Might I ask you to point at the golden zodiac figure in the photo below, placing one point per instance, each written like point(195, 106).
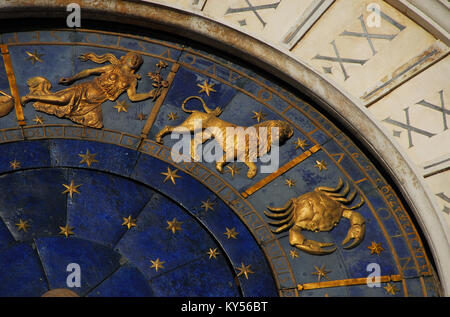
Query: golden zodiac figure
point(217, 129)
point(319, 210)
point(82, 102)
point(6, 104)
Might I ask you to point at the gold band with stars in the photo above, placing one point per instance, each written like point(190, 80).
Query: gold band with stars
point(347, 282)
point(252, 189)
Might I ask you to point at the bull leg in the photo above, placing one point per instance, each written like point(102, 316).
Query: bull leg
point(298, 240)
point(194, 154)
point(252, 169)
point(221, 163)
point(163, 132)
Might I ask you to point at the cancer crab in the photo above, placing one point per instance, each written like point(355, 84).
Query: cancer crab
point(319, 210)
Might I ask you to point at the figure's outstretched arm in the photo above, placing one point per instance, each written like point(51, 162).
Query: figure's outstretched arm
point(134, 96)
point(83, 74)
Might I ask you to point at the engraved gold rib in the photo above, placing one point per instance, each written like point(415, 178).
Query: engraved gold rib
point(152, 117)
point(347, 282)
point(251, 190)
point(12, 84)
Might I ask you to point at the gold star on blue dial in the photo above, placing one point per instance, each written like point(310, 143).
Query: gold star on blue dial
point(157, 264)
point(321, 165)
point(121, 106)
point(34, 57)
point(231, 233)
point(129, 222)
point(213, 253)
point(259, 116)
point(244, 270)
point(321, 273)
point(171, 174)
point(71, 189)
point(88, 158)
point(207, 205)
point(205, 87)
point(66, 231)
point(14, 164)
point(22, 225)
point(174, 225)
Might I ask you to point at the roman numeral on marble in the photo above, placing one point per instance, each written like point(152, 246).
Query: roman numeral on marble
point(370, 36)
point(408, 127)
point(338, 59)
point(365, 34)
point(447, 200)
point(441, 108)
point(253, 9)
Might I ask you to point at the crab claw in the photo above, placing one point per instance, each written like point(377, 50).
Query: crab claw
point(315, 247)
point(356, 232)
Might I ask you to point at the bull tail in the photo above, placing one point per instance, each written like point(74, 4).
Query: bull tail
point(216, 112)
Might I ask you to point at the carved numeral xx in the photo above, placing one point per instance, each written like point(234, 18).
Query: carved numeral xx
point(370, 36)
point(340, 60)
point(447, 200)
point(408, 127)
point(365, 34)
point(254, 9)
point(441, 109)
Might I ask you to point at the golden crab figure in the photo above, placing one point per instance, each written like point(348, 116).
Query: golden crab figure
point(319, 210)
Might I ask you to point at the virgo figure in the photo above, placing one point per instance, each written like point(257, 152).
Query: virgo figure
point(82, 102)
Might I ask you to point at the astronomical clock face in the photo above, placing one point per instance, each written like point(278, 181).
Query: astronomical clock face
point(94, 200)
